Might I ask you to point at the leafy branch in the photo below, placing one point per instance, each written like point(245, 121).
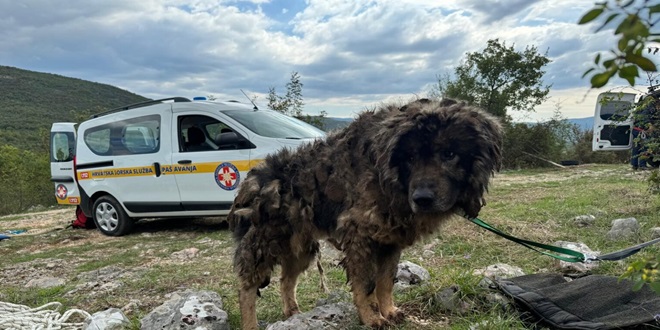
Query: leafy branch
point(635, 29)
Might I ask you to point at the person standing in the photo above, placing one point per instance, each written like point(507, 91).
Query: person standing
point(643, 128)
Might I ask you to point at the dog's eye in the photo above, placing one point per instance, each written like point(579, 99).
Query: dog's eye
point(447, 155)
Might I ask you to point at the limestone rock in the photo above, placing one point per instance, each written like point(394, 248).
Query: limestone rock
point(188, 310)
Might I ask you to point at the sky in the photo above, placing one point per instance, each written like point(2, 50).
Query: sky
point(351, 55)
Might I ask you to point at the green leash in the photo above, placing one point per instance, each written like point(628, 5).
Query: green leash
point(567, 255)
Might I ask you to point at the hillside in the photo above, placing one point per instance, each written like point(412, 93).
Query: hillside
point(30, 101)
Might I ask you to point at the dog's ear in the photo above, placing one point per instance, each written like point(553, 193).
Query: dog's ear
point(492, 137)
point(445, 102)
point(486, 160)
point(416, 103)
point(387, 156)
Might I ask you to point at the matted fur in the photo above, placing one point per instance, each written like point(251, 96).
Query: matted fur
point(392, 176)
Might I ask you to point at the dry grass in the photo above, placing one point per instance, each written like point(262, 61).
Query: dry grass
point(152, 262)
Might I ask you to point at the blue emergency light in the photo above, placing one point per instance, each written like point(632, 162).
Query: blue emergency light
point(199, 98)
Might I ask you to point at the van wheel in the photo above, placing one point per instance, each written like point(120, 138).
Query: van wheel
point(111, 218)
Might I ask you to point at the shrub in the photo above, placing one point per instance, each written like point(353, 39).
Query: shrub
point(25, 178)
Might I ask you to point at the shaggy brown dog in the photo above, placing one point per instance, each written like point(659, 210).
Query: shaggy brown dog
point(372, 189)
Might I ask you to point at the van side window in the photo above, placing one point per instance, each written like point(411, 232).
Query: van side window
point(98, 140)
point(140, 138)
point(203, 133)
point(139, 135)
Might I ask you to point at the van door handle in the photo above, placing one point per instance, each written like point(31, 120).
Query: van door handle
point(61, 179)
point(157, 169)
point(185, 161)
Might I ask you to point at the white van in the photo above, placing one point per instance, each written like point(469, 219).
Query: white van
point(613, 122)
point(165, 158)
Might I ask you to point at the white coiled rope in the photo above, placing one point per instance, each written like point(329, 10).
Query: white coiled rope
point(46, 317)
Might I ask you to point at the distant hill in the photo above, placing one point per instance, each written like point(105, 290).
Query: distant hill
point(30, 101)
point(586, 123)
point(333, 123)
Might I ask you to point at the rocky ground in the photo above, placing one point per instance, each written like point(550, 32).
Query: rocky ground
point(203, 244)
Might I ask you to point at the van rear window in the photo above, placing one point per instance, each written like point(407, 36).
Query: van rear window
point(62, 147)
point(615, 110)
point(139, 135)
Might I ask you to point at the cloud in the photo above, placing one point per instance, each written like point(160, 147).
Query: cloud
point(496, 10)
point(349, 53)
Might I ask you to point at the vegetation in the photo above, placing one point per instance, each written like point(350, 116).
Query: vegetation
point(25, 174)
point(637, 28)
point(497, 79)
point(292, 102)
point(500, 78)
point(31, 101)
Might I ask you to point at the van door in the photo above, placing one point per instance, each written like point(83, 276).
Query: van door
point(208, 172)
point(62, 155)
point(124, 154)
point(613, 121)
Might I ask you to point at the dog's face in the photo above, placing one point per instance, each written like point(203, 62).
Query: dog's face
point(445, 156)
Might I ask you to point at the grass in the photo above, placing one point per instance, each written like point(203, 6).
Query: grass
point(533, 204)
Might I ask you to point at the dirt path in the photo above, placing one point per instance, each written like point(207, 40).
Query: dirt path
point(39, 221)
point(567, 173)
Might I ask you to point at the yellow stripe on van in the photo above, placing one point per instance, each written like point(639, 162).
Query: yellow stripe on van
point(117, 172)
point(69, 201)
point(241, 165)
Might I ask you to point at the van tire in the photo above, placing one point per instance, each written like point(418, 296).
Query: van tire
point(110, 217)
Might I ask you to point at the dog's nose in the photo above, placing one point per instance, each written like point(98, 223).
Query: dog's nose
point(423, 197)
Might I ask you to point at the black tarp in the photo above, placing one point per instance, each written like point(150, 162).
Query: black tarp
point(589, 302)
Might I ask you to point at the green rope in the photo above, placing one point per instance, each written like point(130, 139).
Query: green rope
point(568, 255)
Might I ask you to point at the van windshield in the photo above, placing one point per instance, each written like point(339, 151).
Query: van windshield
point(273, 124)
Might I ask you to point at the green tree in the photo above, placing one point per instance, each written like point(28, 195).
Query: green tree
point(497, 79)
point(291, 104)
point(636, 26)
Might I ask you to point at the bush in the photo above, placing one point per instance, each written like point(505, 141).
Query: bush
point(25, 178)
point(526, 145)
point(533, 145)
point(582, 151)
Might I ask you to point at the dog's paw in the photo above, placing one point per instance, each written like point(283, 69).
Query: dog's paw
point(395, 315)
point(292, 311)
point(379, 323)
